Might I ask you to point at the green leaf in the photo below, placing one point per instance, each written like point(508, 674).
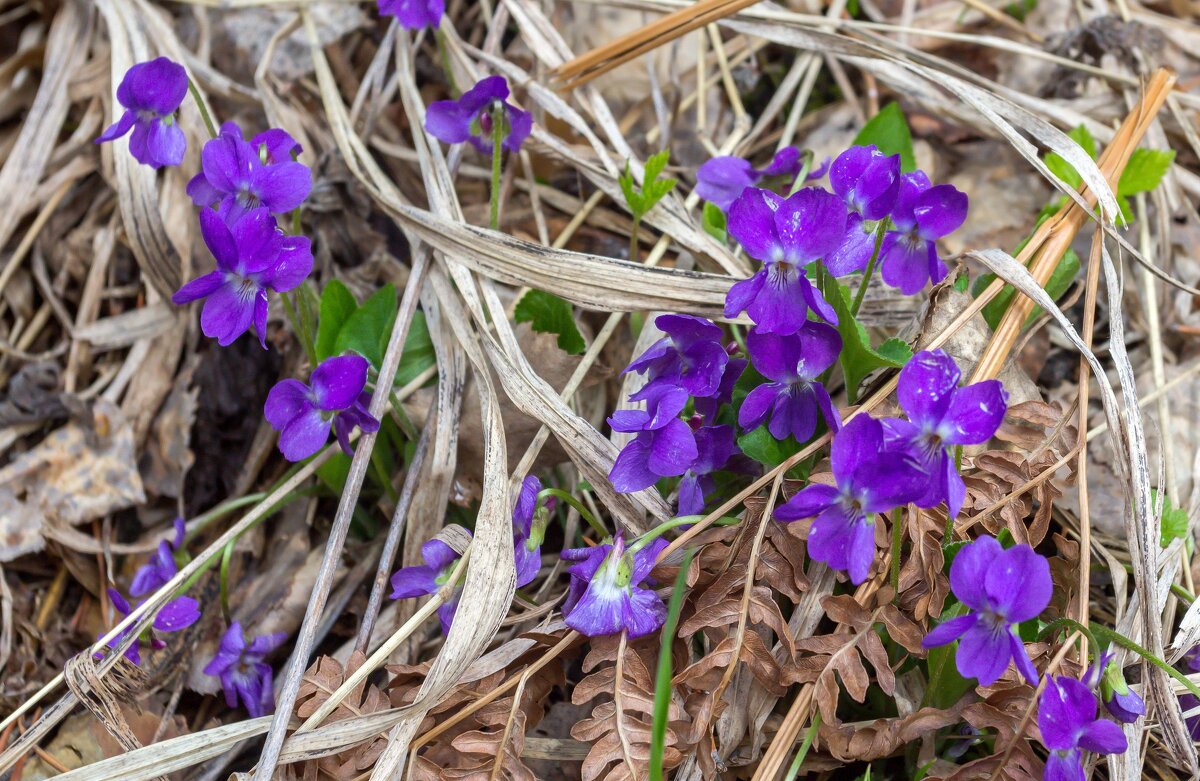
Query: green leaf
point(1174, 520)
point(337, 304)
point(888, 131)
point(656, 164)
point(766, 449)
point(946, 684)
point(653, 188)
point(1062, 277)
point(627, 188)
point(367, 329)
point(713, 221)
point(418, 352)
point(858, 358)
point(549, 314)
point(1145, 171)
point(1064, 170)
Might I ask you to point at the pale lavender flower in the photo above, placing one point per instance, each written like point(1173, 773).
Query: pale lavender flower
point(608, 591)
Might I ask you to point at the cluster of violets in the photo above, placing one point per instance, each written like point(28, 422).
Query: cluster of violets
point(239, 665)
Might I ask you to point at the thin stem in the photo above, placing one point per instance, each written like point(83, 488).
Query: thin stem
point(635, 251)
point(226, 555)
point(202, 520)
point(208, 122)
point(683, 520)
point(662, 682)
point(300, 328)
point(802, 177)
point(896, 541)
point(861, 293)
point(809, 736)
point(498, 121)
point(586, 514)
point(444, 57)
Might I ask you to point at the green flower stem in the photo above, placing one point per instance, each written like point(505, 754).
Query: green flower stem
point(204, 519)
point(662, 681)
point(896, 542)
point(635, 252)
point(584, 512)
point(861, 293)
point(226, 556)
point(300, 327)
point(444, 57)
point(498, 122)
point(208, 121)
point(809, 737)
point(805, 167)
point(666, 526)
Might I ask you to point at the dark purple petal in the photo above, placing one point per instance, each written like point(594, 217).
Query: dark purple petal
point(795, 413)
point(691, 495)
point(742, 294)
point(645, 612)
point(629, 421)
point(752, 222)
point(843, 542)
point(158, 85)
point(438, 554)
point(261, 310)
point(955, 490)
point(277, 145)
point(287, 399)
point(1065, 707)
point(447, 612)
point(485, 92)
point(337, 382)
point(860, 441)
point(414, 14)
point(219, 240)
point(520, 125)
point(722, 179)
point(1127, 707)
point(786, 162)
point(911, 187)
point(600, 610)
point(888, 480)
point(809, 502)
point(447, 122)
point(227, 314)
point(663, 404)
point(258, 241)
point(867, 180)
point(687, 330)
point(118, 128)
point(714, 446)
point(816, 302)
point(949, 631)
point(810, 224)
point(179, 613)
point(854, 251)
point(631, 471)
point(645, 559)
point(758, 404)
point(304, 435)
point(527, 561)
point(969, 571)
point(1021, 659)
point(283, 186)
point(201, 192)
point(904, 262)
point(975, 412)
point(292, 266)
point(408, 582)
point(939, 211)
point(163, 144)
point(526, 503)
point(983, 653)
point(781, 305)
point(1018, 583)
point(228, 161)
point(1066, 766)
point(926, 386)
point(198, 288)
point(672, 449)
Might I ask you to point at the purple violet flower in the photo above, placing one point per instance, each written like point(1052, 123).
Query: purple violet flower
point(427, 578)
point(721, 180)
point(942, 415)
point(869, 479)
point(664, 447)
point(239, 177)
point(151, 93)
point(690, 356)
point(161, 567)
point(867, 181)
point(470, 117)
point(253, 257)
point(1122, 703)
point(795, 399)
point(1002, 588)
point(333, 399)
point(243, 673)
point(708, 406)
point(528, 534)
point(715, 445)
point(607, 592)
point(179, 613)
point(414, 14)
point(1067, 720)
point(786, 235)
point(923, 214)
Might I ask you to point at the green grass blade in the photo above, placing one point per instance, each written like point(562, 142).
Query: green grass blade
point(662, 683)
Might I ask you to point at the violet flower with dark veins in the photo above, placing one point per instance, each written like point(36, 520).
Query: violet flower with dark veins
point(304, 414)
point(178, 614)
point(794, 401)
point(161, 567)
point(869, 479)
point(923, 214)
point(151, 93)
point(690, 356)
point(786, 235)
point(238, 177)
point(470, 117)
point(942, 415)
point(428, 578)
point(414, 14)
point(1002, 588)
point(867, 181)
point(664, 447)
point(243, 673)
point(715, 445)
point(1068, 723)
point(529, 529)
point(607, 593)
point(720, 180)
point(253, 258)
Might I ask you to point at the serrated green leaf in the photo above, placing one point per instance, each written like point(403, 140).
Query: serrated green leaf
point(337, 304)
point(642, 200)
point(766, 449)
point(367, 329)
point(656, 164)
point(418, 353)
point(548, 314)
point(895, 350)
point(1174, 520)
point(657, 190)
point(632, 198)
point(1145, 170)
point(888, 131)
point(712, 219)
point(858, 358)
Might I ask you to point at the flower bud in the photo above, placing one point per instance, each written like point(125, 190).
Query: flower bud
point(1121, 701)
